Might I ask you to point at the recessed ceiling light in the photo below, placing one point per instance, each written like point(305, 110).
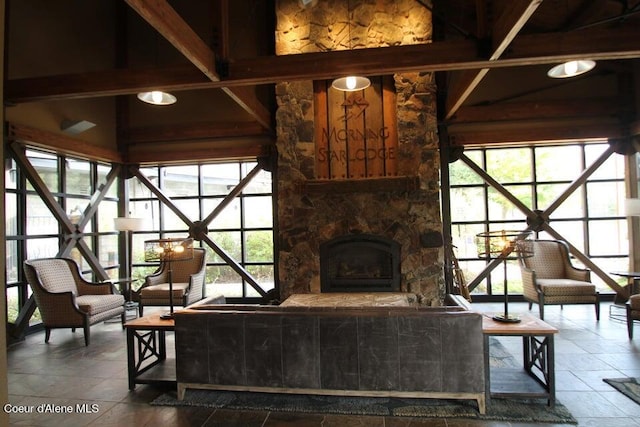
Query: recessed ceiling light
point(75, 127)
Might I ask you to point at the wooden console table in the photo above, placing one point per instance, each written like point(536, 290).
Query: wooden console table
point(538, 378)
point(147, 351)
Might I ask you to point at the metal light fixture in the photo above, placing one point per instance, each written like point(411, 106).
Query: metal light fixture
point(351, 83)
point(157, 97)
point(571, 69)
point(168, 251)
point(504, 245)
point(128, 225)
point(632, 207)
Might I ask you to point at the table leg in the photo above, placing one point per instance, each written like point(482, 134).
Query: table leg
point(162, 353)
point(552, 371)
point(131, 362)
point(539, 363)
point(487, 372)
point(145, 350)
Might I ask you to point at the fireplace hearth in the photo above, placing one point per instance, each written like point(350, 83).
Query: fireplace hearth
point(360, 263)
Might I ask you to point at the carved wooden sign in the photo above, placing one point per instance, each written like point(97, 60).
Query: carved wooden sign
point(356, 133)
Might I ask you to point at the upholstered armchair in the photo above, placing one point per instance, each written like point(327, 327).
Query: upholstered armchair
point(548, 277)
point(188, 283)
point(633, 312)
point(66, 300)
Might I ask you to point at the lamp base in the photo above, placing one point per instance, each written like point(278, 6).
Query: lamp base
point(507, 318)
point(166, 316)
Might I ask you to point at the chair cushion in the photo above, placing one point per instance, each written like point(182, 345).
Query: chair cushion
point(548, 260)
point(161, 291)
point(55, 276)
point(561, 287)
point(95, 304)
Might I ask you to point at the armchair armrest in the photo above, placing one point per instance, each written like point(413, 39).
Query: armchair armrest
point(59, 308)
point(91, 288)
point(581, 274)
point(196, 284)
point(155, 278)
point(529, 287)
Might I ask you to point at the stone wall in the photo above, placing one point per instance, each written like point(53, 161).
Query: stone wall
point(409, 216)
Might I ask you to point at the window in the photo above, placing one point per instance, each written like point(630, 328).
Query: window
point(32, 231)
point(241, 226)
point(590, 218)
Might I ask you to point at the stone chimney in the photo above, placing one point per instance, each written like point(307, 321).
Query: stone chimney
point(403, 205)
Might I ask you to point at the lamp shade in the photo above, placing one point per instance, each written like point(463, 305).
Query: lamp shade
point(504, 243)
point(632, 207)
point(351, 83)
point(571, 69)
point(177, 249)
point(157, 97)
point(128, 224)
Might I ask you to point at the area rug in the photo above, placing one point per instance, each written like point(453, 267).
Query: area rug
point(630, 387)
point(514, 410)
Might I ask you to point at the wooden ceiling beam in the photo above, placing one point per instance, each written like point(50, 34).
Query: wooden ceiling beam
point(226, 151)
point(221, 29)
point(600, 44)
point(61, 144)
point(161, 16)
point(536, 131)
point(548, 109)
point(504, 32)
point(192, 131)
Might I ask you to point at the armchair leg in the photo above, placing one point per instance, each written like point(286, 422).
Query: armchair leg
point(123, 318)
point(86, 335)
point(140, 308)
point(530, 305)
point(629, 323)
point(47, 334)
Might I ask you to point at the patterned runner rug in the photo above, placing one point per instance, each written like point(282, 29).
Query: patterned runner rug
point(512, 410)
point(630, 387)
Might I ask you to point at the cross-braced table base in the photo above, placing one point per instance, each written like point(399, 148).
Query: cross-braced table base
point(147, 351)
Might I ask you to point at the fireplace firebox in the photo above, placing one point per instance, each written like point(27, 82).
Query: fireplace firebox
point(360, 263)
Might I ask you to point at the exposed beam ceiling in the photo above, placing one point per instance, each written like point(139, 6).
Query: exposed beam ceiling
point(604, 44)
point(161, 16)
point(504, 32)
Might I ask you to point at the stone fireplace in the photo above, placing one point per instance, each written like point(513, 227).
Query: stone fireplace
point(403, 205)
point(360, 263)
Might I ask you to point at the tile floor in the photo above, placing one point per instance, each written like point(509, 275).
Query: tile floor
point(65, 372)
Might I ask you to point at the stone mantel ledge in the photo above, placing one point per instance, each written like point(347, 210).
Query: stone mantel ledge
point(366, 185)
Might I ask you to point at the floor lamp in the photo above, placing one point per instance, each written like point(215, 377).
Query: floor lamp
point(128, 225)
point(504, 245)
point(167, 251)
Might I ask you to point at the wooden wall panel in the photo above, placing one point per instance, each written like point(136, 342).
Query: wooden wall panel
point(391, 125)
point(374, 120)
point(336, 130)
point(356, 132)
point(354, 104)
point(321, 120)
